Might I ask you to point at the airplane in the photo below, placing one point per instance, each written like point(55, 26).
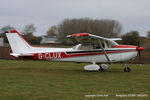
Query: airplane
point(93, 49)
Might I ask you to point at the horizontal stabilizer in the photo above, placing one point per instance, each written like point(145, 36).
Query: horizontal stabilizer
point(22, 55)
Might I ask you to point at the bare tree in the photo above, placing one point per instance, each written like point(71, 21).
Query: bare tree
point(104, 27)
point(29, 29)
point(131, 38)
point(52, 31)
point(148, 34)
point(5, 29)
point(28, 34)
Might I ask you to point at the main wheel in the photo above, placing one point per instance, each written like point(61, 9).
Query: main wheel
point(127, 69)
point(103, 67)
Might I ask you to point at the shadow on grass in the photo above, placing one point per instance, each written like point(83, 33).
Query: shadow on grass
point(65, 70)
point(107, 71)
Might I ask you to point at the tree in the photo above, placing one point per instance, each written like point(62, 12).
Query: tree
point(104, 27)
point(28, 34)
point(5, 29)
point(131, 38)
point(148, 34)
point(52, 31)
point(29, 29)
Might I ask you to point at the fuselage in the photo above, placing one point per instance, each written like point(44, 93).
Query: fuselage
point(119, 53)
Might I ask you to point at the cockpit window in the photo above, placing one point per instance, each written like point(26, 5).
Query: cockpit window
point(112, 43)
point(77, 46)
point(88, 46)
point(97, 46)
point(105, 44)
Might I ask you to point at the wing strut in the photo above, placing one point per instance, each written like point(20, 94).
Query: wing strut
point(106, 55)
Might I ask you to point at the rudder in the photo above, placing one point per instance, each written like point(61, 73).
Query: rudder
point(17, 43)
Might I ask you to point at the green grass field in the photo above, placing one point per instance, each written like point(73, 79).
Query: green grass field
point(43, 80)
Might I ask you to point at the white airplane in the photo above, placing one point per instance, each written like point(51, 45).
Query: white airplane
point(92, 49)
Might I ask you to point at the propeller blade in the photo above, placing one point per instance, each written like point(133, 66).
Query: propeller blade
point(139, 53)
point(139, 57)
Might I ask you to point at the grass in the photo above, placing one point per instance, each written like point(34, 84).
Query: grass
point(43, 80)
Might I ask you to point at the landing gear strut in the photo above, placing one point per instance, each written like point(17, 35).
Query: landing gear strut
point(126, 68)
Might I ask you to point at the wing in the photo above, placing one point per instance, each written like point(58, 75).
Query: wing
point(90, 38)
point(85, 38)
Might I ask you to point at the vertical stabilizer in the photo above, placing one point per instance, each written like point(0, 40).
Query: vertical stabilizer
point(17, 43)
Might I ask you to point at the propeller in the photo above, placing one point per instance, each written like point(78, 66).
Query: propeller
point(139, 49)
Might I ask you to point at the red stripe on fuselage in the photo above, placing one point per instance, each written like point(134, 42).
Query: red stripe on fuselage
point(124, 46)
point(59, 55)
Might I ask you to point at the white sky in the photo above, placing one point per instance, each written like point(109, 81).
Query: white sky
point(132, 14)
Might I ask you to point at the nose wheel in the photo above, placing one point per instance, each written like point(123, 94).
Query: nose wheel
point(126, 68)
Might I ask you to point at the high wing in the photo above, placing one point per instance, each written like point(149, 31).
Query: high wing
point(89, 38)
point(86, 38)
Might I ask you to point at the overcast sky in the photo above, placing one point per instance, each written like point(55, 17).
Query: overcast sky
point(132, 14)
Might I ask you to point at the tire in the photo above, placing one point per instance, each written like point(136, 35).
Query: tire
point(127, 69)
point(101, 69)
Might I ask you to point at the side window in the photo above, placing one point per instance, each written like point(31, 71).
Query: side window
point(108, 44)
point(77, 47)
point(103, 45)
point(112, 43)
point(86, 47)
point(97, 46)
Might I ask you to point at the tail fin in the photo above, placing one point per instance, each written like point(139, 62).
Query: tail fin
point(17, 43)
